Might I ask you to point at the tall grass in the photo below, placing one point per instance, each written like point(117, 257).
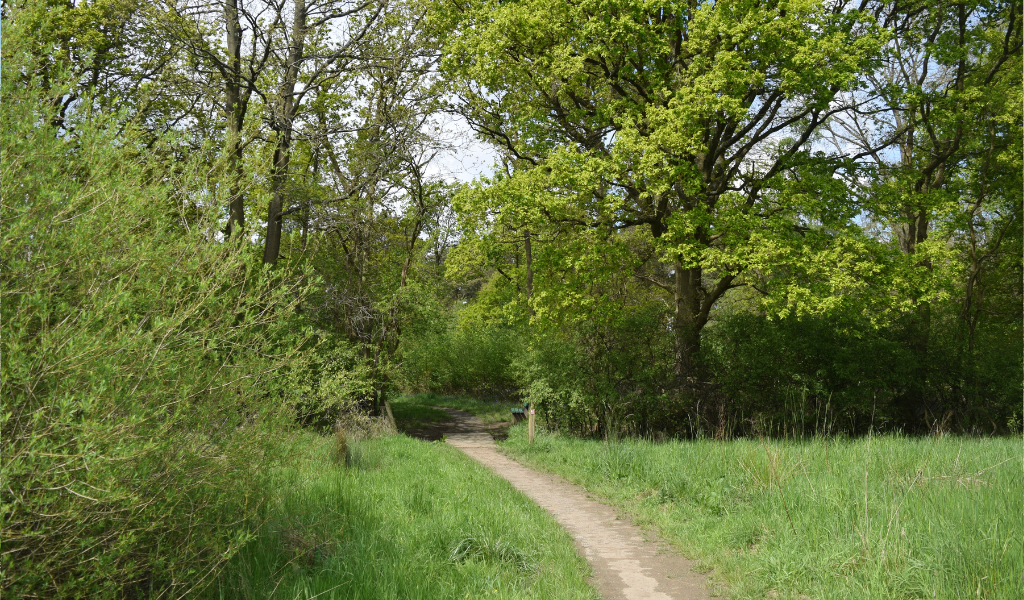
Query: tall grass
point(406, 519)
point(875, 517)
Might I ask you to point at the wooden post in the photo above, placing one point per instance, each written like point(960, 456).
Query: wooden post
point(531, 424)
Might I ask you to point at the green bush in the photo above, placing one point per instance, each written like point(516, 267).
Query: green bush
point(475, 360)
point(334, 379)
point(604, 375)
point(841, 373)
point(138, 359)
point(460, 351)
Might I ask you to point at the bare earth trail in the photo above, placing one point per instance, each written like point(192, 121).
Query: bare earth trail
point(628, 563)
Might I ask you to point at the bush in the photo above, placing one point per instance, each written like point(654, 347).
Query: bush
point(460, 351)
point(840, 373)
point(137, 361)
point(803, 375)
point(605, 375)
point(334, 380)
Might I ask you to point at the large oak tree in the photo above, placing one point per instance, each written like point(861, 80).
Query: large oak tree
point(693, 122)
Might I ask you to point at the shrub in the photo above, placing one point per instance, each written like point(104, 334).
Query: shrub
point(137, 361)
point(460, 351)
point(841, 373)
point(605, 375)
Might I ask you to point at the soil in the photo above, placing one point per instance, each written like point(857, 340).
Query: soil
point(628, 563)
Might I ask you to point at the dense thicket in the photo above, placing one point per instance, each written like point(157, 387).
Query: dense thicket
point(151, 353)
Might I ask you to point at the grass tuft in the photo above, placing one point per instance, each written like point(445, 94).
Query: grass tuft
point(342, 453)
point(499, 550)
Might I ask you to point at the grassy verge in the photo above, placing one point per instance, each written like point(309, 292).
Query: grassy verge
point(881, 517)
point(406, 519)
point(489, 411)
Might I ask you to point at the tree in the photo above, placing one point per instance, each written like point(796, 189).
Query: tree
point(314, 58)
point(288, 55)
point(239, 62)
point(692, 121)
point(932, 119)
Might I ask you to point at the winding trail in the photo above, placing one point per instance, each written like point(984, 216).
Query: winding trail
point(628, 563)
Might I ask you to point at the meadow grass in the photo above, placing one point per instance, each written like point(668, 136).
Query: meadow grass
point(875, 517)
point(407, 519)
point(489, 411)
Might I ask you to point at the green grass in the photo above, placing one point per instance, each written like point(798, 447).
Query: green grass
point(880, 517)
point(407, 519)
point(417, 415)
point(489, 411)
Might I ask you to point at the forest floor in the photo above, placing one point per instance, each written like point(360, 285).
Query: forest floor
point(628, 563)
point(435, 422)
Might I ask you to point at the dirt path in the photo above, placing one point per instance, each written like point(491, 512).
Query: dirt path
point(628, 563)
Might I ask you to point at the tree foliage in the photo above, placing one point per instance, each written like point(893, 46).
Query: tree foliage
point(817, 154)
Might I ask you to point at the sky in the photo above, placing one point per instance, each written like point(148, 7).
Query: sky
point(466, 158)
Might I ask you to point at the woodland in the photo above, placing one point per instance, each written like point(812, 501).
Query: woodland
point(225, 220)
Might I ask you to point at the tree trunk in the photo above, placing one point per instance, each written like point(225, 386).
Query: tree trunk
point(284, 121)
point(306, 205)
point(686, 324)
point(412, 247)
point(235, 114)
point(911, 406)
point(529, 271)
point(272, 246)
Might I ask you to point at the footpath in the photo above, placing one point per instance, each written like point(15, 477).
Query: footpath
point(628, 563)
